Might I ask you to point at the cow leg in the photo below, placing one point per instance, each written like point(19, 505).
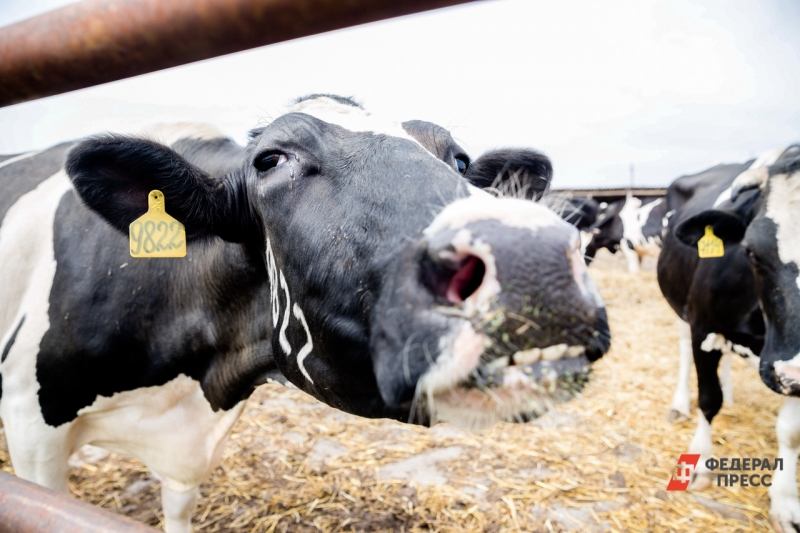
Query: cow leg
point(680, 400)
point(39, 453)
point(178, 507)
point(784, 509)
point(725, 379)
point(710, 400)
point(631, 257)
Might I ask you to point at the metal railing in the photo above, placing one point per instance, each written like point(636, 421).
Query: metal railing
point(97, 41)
point(28, 508)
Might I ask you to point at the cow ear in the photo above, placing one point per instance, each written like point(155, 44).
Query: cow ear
point(114, 175)
point(729, 221)
point(519, 173)
point(728, 226)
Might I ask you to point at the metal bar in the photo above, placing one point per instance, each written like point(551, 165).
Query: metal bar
point(29, 508)
point(97, 41)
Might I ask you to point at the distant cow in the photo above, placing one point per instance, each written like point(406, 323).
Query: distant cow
point(350, 254)
point(721, 299)
point(633, 225)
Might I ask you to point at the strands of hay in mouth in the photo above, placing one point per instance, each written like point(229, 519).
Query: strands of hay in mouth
point(598, 463)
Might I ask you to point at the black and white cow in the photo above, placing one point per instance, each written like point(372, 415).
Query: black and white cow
point(718, 298)
point(350, 254)
point(633, 225)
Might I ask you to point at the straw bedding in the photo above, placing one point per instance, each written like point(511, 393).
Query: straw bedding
point(599, 463)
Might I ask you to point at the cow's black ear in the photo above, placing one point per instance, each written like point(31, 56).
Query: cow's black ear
point(519, 172)
point(114, 174)
point(727, 225)
point(729, 220)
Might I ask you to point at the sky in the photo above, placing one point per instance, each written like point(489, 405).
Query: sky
point(669, 86)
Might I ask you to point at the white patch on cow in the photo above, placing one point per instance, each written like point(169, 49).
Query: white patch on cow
point(680, 399)
point(350, 117)
point(460, 353)
point(717, 341)
point(586, 238)
point(631, 257)
point(284, 342)
point(274, 293)
point(665, 220)
point(170, 133)
point(767, 158)
point(37, 450)
point(171, 428)
point(784, 504)
point(783, 204)
point(20, 157)
point(725, 380)
point(307, 347)
point(178, 508)
point(355, 119)
point(483, 206)
point(724, 196)
point(701, 443)
point(277, 281)
point(634, 217)
point(749, 179)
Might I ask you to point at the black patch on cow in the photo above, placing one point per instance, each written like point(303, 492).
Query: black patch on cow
point(147, 323)
point(25, 175)
point(11, 341)
point(520, 173)
point(216, 157)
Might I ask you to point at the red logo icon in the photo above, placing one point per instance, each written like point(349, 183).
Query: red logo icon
point(687, 462)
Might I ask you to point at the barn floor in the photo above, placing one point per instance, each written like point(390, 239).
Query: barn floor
point(599, 463)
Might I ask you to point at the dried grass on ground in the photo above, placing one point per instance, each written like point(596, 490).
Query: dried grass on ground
point(599, 463)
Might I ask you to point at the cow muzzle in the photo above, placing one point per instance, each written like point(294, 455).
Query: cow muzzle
point(499, 317)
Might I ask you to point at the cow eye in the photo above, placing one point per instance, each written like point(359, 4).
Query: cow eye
point(751, 256)
point(462, 163)
point(269, 160)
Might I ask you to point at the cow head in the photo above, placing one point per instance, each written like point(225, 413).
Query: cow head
point(763, 215)
point(397, 286)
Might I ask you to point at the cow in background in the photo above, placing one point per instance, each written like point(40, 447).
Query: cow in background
point(743, 303)
point(633, 225)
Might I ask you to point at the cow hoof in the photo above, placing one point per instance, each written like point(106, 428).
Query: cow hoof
point(701, 481)
point(677, 416)
point(784, 514)
point(784, 525)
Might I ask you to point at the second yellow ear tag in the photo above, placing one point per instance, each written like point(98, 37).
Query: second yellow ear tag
point(710, 245)
point(156, 234)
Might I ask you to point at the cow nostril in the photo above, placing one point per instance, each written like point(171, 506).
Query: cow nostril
point(466, 279)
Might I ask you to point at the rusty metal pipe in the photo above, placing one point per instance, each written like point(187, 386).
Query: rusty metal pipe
point(29, 508)
point(97, 41)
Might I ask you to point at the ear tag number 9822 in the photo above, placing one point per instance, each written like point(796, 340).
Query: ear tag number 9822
point(710, 245)
point(156, 234)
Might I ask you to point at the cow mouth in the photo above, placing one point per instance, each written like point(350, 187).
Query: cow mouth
point(513, 388)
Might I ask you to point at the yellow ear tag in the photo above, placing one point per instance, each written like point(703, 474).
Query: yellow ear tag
point(710, 245)
point(156, 234)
